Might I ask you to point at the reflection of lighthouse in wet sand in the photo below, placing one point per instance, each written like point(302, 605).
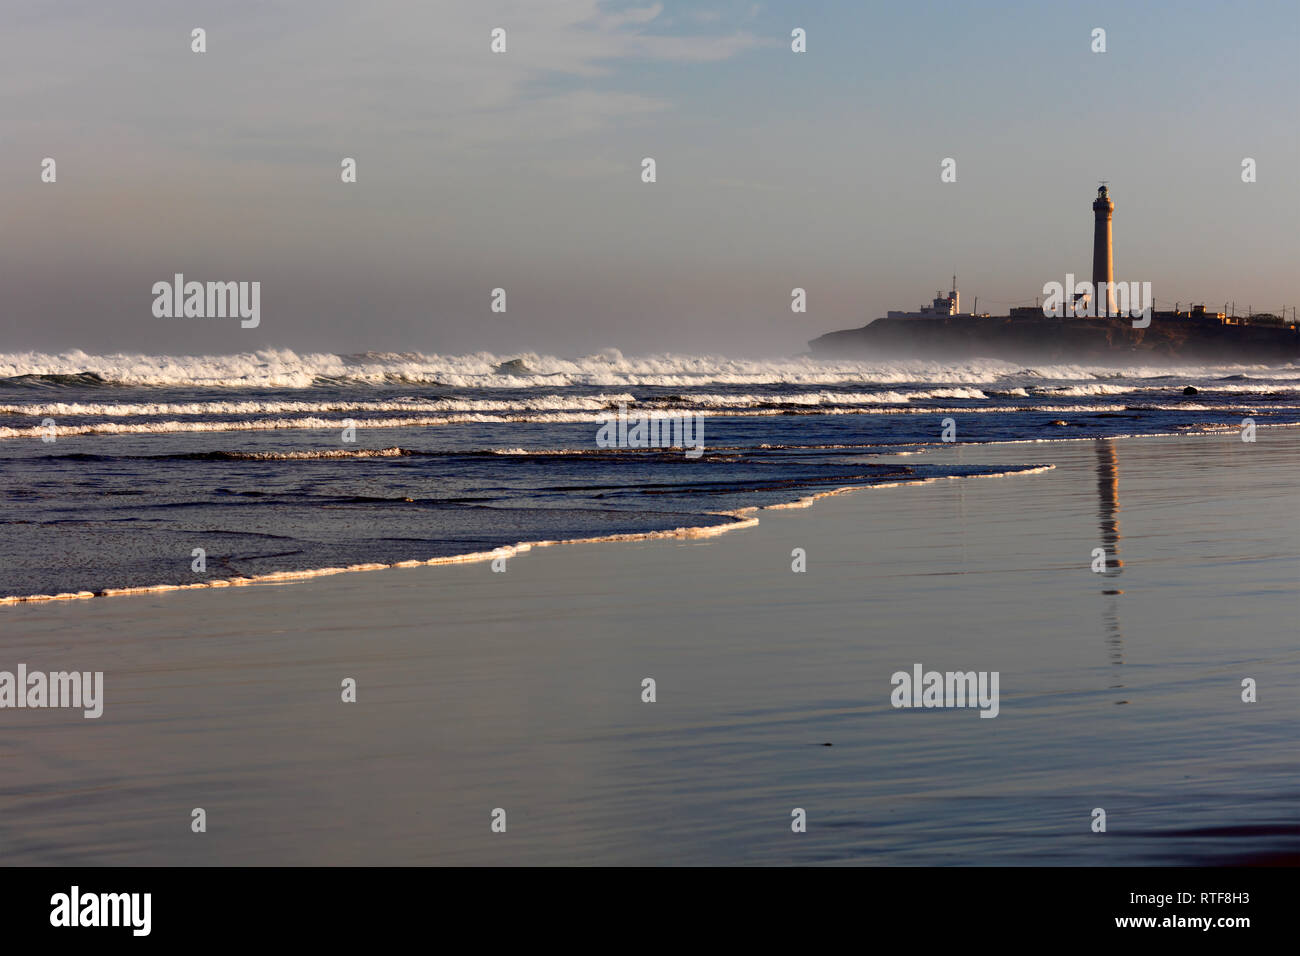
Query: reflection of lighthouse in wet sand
point(1108, 502)
point(1108, 516)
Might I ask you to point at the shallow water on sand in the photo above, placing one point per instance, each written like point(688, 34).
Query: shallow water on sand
point(522, 690)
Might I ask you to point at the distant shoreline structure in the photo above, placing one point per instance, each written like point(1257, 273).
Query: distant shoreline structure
point(1077, 322)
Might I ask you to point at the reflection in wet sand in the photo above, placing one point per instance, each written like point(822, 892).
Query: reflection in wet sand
point(1108, 515)
point(1108, 502)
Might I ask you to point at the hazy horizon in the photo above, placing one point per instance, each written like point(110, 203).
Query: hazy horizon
point(522, 170)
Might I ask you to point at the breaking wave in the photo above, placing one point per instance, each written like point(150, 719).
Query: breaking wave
point(309, 423)
point(284, 368)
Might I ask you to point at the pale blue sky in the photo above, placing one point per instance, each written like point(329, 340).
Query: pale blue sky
point(522, 170)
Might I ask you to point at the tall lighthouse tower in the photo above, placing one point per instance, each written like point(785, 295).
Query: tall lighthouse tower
point(1103, 262)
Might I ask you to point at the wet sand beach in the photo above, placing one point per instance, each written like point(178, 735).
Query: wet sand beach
point(522, 690)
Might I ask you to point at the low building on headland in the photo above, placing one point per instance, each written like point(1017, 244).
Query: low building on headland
point(949, 304)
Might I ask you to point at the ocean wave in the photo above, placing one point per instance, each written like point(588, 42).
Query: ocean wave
point(281, 407)
point(325, 454)
point(1099, 388)
point(606, 402)
point(526, 403)
point(284, 368)
point(310, 423)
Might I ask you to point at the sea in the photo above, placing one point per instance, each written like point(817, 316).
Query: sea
point(133, 471)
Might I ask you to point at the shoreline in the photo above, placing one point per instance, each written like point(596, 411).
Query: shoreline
point(742, 518)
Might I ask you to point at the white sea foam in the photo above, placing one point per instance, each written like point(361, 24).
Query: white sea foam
point(283, 368)
point(517, 409)
point(37, 431)
point(278, 407)
point(281, 577)
point(551, 402)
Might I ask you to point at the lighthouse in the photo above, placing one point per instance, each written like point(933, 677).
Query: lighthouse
point(1103, 262)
